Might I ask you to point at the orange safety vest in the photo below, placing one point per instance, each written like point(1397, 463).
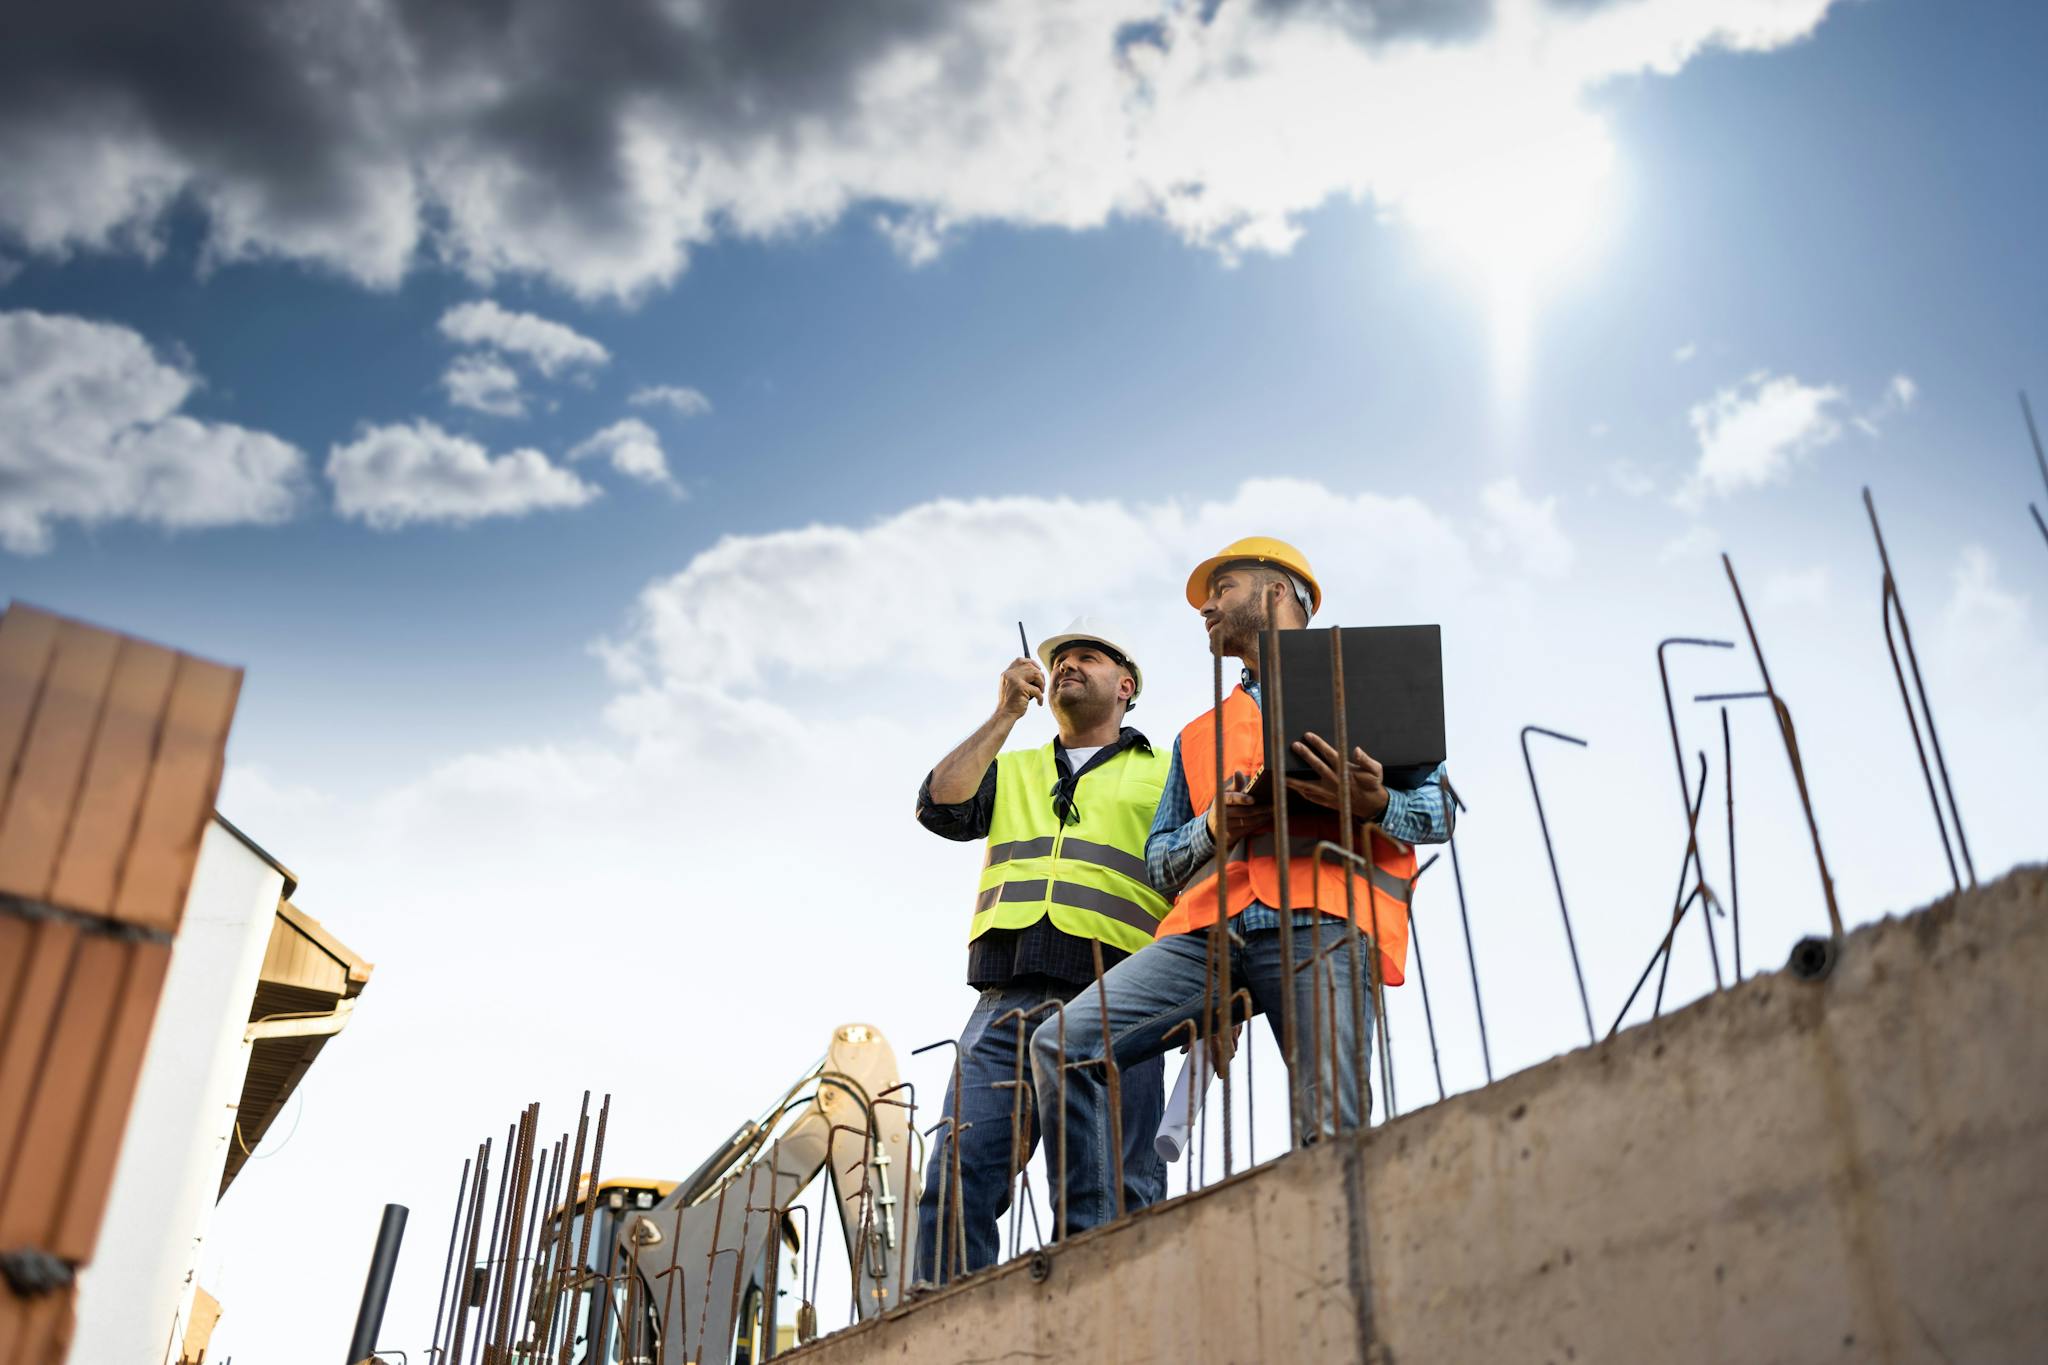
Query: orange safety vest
point(1252, 871)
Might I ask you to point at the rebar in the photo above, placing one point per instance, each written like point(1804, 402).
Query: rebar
point(1451, 813)
point(448, 1261)
point(522, 1166)
point(1218, 943)
point(560, 1271)
point(1114, 1083)
point(1790, 735)
point(1578, 973)
point(910, 1126)
point(1684, 802)
point(1680, 903)
point(958, 1225)
point(1694, 806)
point(2034, 433)
point(1734, 893)
point(604, 1112)
point(1422, 977)
point(1892, 606)
point(459, 1332)
point(1341, 724)
point(543, 1189)
point(1274, 707)
point(1196, 1086)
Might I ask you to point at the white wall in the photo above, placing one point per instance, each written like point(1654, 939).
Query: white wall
point(134, 1297)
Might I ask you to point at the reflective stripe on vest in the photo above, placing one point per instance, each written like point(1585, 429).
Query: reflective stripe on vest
point(1251, 871)
point(1089, 876)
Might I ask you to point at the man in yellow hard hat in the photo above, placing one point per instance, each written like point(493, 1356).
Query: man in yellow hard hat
point(1065, 877)
point(1208, 826)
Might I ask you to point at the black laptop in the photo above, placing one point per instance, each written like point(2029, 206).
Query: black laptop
point(1393, 697)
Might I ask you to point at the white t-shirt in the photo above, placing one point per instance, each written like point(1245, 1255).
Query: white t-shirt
point(1077, 759)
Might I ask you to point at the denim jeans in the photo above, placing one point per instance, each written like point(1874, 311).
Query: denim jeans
point(988, 1055)
point(1160, 988)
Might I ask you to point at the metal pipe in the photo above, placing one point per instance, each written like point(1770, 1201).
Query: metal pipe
point(362, 1343)
point(1585, 1001)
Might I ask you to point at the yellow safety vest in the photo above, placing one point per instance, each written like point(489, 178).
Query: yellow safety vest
point(1089, 875)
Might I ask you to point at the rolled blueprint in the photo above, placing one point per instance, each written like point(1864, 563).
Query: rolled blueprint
point(1174, 1125)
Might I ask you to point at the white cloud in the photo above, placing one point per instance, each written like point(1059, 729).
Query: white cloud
point(678, 398)
point(91, 431)
point(599, 156)
point(393, 476)
point(633, 449)
point(1525, 529)
point(1753, 434)
point(549, 346)
point(1799, 588)
point(1685, 353)
point(1899, 395)
point(917, 238)
point(484, 383)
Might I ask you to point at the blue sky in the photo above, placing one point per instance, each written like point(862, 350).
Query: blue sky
point(1816, 260)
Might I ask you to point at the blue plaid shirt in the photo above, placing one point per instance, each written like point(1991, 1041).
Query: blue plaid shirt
point(1180, 846)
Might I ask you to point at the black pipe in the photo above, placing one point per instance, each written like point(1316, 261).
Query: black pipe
point(377, 1288)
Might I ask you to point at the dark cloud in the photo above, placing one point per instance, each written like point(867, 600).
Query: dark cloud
point(1394, 20)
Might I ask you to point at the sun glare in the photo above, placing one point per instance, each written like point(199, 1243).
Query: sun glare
point(1515, 217)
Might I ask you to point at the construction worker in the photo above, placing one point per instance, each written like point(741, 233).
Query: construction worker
point(1202, 821)
point(1065, 876)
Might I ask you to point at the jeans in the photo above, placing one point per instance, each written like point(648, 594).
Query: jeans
point(988, 1055)
point(1160, 988)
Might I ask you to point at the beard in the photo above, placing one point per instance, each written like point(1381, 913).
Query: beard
point(1087, 704)
point(1238, 627)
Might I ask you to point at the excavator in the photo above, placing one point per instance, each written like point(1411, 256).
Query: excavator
point(698, 1270)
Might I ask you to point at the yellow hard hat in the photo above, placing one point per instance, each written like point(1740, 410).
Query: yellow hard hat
point(1255, 550)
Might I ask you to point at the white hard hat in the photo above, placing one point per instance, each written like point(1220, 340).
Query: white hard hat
point(1098, 631)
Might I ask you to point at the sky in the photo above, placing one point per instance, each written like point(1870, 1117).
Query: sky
point(620, 449)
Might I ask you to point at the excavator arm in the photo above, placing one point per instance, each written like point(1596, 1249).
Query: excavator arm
point(693, 1275)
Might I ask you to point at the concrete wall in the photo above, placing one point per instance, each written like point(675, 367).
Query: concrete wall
point(1854, 1169)
point(134, 1297)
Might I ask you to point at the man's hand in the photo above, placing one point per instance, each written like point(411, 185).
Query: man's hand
point(1368, 784)
point(1245, 816)
point(1022, 684)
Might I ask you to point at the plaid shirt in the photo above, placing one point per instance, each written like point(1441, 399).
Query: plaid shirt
point(1180, 845)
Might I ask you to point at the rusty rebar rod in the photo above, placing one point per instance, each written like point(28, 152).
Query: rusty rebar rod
point(1347, 841)
point(910, 1131)
point(1451, 813)
point(460, 1331)
point(1196, 1086)
point(1114, 1083)
point(1578, 973)
point(560, 1273)
point(490, 1248)
point(1422, 977)
point(1273, 705)
point(1894, 607)
point(522, 1168)
point(604, 1112)
point(1734, 893)
point(1680, 901)
point(1214, 1006)
point(958, 1225)
point(1694, 806)
point(1685, 803)
point(1790, 735)
point(543, 1188)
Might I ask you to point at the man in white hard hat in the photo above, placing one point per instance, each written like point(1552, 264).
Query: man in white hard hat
point(1208, 830)
point(1065, 879)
